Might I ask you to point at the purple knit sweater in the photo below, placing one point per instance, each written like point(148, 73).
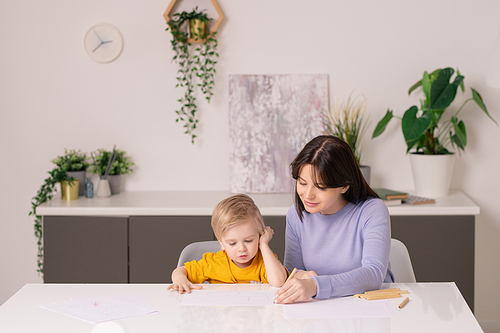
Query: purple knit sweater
point(349, 250)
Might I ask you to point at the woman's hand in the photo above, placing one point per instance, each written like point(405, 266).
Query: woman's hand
point(305, 274)
point(266, 236)
point(296, 290)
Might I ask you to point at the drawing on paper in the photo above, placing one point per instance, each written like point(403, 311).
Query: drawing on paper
point(271, 118)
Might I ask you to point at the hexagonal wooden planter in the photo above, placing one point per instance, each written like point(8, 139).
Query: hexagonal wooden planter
point(212, 30)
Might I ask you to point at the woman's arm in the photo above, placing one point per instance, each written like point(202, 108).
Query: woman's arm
point(276, 273)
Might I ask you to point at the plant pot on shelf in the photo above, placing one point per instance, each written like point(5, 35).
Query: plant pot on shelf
point(365, 170)
point(80, 175)
point(69, 189)
point(114, 183)
point(432, 174)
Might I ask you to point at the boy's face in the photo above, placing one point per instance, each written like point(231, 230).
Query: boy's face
point(241, 243)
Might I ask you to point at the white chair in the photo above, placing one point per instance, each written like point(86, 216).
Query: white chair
point(400, 262)
point(194, 251)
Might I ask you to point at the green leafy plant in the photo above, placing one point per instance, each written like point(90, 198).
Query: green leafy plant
point(199, 63)
point(122, 164)
point(421, 127)
point(346, 121)
point(72, 160)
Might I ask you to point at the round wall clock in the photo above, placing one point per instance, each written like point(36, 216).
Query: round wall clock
point(103, 42)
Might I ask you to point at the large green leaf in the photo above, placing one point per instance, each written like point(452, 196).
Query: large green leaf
point(479, 100)
point(426, 85)
point(382, 124)
point(443, 99)
point(440, 83)
point(413, 128)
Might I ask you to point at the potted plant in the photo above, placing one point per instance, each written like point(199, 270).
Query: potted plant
point(71, 161)
point(346, 121)
point(122, 165)
point(75, 163)
point(198, 62)
point(425, 129)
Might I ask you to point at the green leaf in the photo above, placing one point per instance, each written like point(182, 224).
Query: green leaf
point(460, 133)
point(426, 85)
point(382, 124)
point(462, 86)
point(479, 101)
point(413, 128)
point(419, 83)
point(443, 93)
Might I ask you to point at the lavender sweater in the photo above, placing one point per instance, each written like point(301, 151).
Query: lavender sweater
point(349, 250)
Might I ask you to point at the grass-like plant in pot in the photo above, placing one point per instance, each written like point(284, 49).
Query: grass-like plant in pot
point(423, 127)
point(346, 121)
point(194, 62)
point(72, 160)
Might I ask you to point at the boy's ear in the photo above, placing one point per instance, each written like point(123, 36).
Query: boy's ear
point(221, 246)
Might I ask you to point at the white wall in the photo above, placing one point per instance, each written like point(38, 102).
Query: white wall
point(52, 96)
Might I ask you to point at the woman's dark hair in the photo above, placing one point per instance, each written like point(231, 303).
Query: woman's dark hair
point(333, 165)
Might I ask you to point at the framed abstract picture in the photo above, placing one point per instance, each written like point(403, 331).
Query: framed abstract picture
point(271, 118)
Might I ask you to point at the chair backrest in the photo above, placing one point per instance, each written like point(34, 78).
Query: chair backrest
point(400, 262)
point(194, 251)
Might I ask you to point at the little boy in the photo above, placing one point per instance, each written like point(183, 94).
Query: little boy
point(245, 254)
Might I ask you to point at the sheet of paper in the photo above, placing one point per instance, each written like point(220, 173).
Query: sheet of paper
point(101, 309)
point(229, 298)
point(346, 307)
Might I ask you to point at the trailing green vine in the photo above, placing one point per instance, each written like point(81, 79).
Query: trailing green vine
point(71, 161)
point(200, 64)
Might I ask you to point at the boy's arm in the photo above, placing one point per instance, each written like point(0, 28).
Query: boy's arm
point(276, 272)
point(180, 281)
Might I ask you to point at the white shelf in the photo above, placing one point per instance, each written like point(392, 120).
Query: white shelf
point(202, 203)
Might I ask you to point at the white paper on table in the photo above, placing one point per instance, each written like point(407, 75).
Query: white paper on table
point(101, 309)
point(229, 298)
point(346, 307)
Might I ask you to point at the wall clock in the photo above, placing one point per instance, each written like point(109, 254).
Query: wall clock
point(103, 42)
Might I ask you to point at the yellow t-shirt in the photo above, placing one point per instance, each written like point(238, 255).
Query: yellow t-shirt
point(219, 268)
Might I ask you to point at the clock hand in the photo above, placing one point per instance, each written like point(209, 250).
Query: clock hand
point(97, 46)
point(107, 41)
point(97, 35)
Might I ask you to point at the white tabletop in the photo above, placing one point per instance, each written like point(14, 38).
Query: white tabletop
point(433, 307)
point(202, 203)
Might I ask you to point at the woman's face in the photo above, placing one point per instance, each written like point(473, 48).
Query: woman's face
point(316, 200)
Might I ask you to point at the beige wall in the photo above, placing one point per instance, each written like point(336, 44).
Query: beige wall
point(52, 96)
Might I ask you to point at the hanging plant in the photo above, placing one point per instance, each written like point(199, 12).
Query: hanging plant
point(72, 160)
point(198, 62)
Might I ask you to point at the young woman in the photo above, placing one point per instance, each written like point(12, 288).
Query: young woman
point(338, 232)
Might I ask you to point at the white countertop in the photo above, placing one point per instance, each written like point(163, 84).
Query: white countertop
point(202, 203)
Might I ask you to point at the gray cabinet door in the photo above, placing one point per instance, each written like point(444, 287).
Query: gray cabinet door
point(441, 249)
point(156, 241)
point(81, 249)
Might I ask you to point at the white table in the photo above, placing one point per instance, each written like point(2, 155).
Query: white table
point(433, 307)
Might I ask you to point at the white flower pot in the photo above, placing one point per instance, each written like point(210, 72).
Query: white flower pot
point(432, 174)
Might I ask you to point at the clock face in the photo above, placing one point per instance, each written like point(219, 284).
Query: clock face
point(103, 42)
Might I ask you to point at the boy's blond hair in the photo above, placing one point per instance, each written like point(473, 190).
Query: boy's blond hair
point(235, 210)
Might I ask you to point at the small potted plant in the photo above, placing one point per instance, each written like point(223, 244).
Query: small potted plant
point(346, 121)
point(199, 62)
point(425, 129)
point(122, 165)
point(71, 161)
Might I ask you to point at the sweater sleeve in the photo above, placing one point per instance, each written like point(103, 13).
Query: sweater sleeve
point(376, 240)
point(293, 249)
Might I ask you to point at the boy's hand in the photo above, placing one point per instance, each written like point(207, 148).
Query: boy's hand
point(266, 236)
point(183, 286)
